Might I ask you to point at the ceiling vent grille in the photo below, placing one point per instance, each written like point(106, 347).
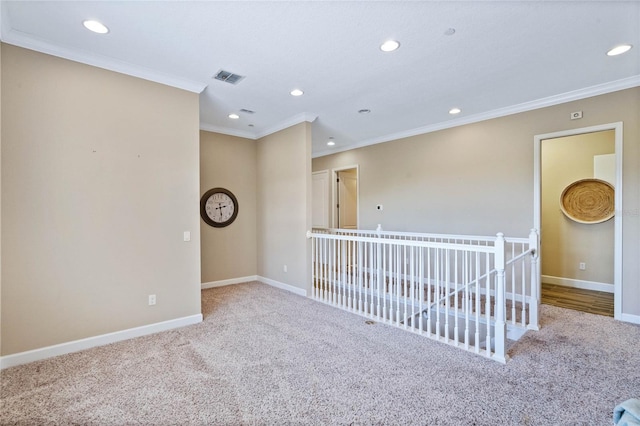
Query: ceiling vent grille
point(228, 77)
point(247, 111)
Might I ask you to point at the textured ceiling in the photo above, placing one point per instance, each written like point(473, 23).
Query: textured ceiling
point(504, 57)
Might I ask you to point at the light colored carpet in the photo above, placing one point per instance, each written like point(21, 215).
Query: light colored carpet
point(267, 356)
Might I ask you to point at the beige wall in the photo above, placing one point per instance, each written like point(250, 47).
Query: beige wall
point(435, 182)
point(478, 178)
point(566, 242)
point(1, 198)
point(284, 205)
point(229, 162)
point(99, 181)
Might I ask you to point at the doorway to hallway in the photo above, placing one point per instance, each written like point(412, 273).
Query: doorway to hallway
point(346, 198)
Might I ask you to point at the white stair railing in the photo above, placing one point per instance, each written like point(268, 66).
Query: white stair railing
point(465, 291)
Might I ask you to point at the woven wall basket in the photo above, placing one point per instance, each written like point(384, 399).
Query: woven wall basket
point(588, 201)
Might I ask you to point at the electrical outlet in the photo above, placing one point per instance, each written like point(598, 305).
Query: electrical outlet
point(152, 299)
point(583, 266)
point(284, 268)
point(576, 115)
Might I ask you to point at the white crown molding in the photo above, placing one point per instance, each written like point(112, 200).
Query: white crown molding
point(292, 121)
point(231, 281)
point(21, 39)
point(227, 131)
point(601, 89)
point(91, 342)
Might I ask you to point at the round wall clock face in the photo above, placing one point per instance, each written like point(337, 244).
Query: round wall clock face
point(218, 207)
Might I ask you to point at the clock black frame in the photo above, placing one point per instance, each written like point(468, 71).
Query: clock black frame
point(205, 216)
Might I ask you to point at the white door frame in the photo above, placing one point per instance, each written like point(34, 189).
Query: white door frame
point(334, 195)
point(537, 190)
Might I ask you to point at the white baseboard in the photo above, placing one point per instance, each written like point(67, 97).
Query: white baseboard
point(231, 281)
point(634, 319)
point(90, 342)
point(283, 286)
point(250, 278)
point(585, 285)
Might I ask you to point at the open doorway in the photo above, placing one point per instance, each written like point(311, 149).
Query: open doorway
point(345, 196)
point(580, 259)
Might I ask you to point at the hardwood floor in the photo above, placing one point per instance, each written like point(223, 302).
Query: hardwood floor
point(595, 302)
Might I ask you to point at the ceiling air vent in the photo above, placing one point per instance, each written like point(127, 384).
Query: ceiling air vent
point(247, 111)
point(228, 77)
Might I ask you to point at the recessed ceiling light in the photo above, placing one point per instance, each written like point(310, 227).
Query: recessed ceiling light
point(454, 111)
point(234, 116)
point(95, 26)
point(619, 50)
point(364, 111)
point(389, 46)
point(331, 143)
point(296, 92)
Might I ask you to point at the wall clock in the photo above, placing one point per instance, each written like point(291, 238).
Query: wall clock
point(218, 207)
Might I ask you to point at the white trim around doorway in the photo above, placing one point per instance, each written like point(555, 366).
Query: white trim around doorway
point(537, 220)
point(334, 195)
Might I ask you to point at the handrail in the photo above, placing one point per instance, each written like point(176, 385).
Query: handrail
point(425, 235)
point(531, 251)
point(406, 243)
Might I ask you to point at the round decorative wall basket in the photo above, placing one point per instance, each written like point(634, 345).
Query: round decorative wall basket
point(588, 201)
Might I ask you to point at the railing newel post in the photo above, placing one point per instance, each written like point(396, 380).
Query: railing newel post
point(534, 243)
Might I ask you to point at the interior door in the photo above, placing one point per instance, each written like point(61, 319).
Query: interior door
point(348, 199)
point(320, 202)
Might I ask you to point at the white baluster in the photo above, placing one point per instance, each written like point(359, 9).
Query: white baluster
point(332, 270)
point(379, 276)
point(386, 265)
point(523, 280)
point(436, 286)
point(477, 302)
point(487, 305)
point(398, 282)
point(412, 294)
point(513, 285)
point(324, 272)
point(447, 301)
point(372, 270)
point(404, 284)
point(429, 290)
point(360, 287)
point(421, 278)
point(455, 300)
point(500, 324)
point(467, 300)
point(314, 268)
